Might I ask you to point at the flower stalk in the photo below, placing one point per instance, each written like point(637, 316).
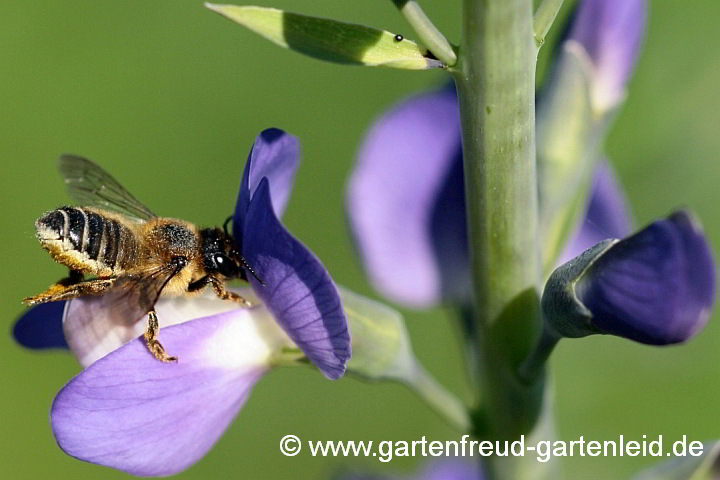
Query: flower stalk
point(495, 79)
point(440, 399)
point(433, 38)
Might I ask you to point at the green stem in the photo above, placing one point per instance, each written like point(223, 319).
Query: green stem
point(440, 399)
point(534, 365)
point(433, 38)
point(495, 78)
point(544, 18)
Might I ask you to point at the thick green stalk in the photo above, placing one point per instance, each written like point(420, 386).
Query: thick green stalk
point(495, 78)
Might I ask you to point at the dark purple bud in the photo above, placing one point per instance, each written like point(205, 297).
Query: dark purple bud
point(655, 287)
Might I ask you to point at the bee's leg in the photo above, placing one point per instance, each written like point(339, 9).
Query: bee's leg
point(66, 292)
point(220, 291)
point(73, 278)
point(153, 345)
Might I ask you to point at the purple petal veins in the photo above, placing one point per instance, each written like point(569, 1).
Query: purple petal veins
point(297, 288)
point(275, 155)
point(131, 412)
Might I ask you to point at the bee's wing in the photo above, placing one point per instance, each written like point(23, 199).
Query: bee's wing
point(96, 325)
point(90, 185)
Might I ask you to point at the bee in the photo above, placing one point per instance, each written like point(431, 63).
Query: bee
point(133, 255)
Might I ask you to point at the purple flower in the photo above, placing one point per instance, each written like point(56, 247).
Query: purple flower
point(297, 288)
point(656, 286)
point(128, 411)
point(41, 327)
point(406, 204)
point(612, 33)
point(446, 469)
point(406, 201)
point(606, 215)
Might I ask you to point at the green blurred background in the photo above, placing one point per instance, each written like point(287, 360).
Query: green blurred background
point(169, 96)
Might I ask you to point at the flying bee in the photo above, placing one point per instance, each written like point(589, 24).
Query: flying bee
point(133, 255)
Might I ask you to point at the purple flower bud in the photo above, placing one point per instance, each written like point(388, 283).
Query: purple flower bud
point(612, 32)
point(655, 287)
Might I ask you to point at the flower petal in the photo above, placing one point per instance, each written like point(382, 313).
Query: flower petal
point(655, 287)
point(131, 412)
point(445, 469)
point(92, 331)
point(297, 288)
point(612, 32)
point(451, 469)
point(606, 216)
point(406, 203)
point(41, 327)
point(275, 155)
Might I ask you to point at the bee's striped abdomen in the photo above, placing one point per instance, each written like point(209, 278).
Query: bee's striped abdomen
point(82, 239)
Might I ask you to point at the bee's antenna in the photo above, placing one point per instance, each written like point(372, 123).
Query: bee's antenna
point(250, 269)
point(225, 229)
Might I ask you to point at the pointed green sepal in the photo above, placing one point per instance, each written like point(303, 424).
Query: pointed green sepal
point(330, 40)
point(564, 314)
point(380, 342)
point(689, 467)
point(382, 351)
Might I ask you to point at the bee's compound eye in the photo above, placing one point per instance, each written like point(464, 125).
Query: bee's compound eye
point(224, 265)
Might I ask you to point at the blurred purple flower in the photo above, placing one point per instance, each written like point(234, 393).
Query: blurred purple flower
point(133, 413)
point(606, 215)
point(446, 469)
point(612, 32)
point(406, 204)
point(407, 212)
point(656, 286)
point(406, 201)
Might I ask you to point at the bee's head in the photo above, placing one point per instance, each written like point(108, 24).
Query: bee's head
point(219, 255)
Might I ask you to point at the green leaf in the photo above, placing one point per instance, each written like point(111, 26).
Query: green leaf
point(703, 467)
point(330, 40)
